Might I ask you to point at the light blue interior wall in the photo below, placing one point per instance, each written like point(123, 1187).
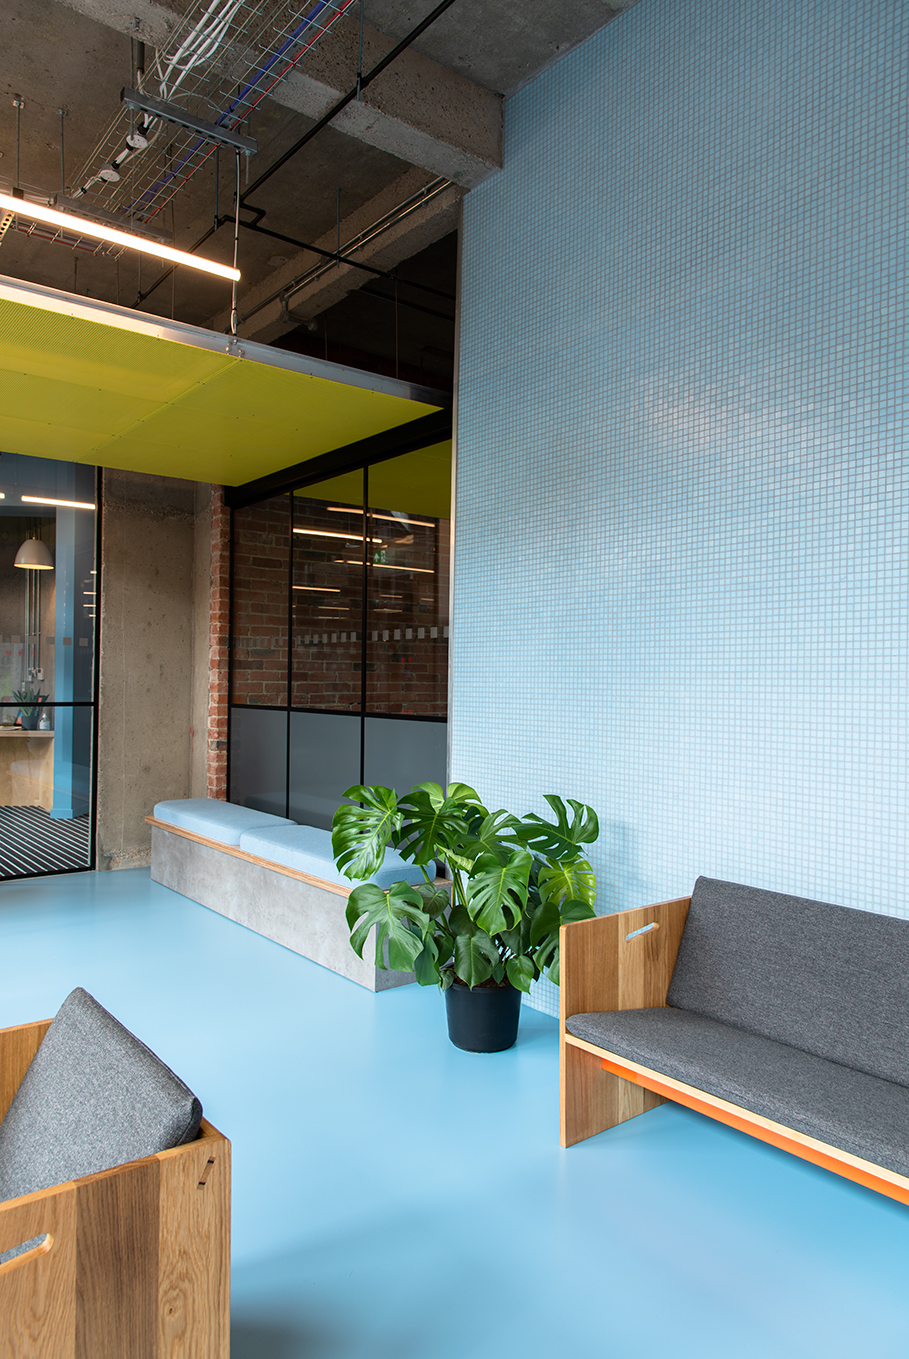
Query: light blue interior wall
point(680, 573)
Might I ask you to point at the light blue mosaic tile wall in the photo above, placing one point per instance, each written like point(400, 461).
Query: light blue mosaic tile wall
point(680, 588)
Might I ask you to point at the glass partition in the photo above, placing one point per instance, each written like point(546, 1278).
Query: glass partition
point(48, 604)
point(359, 564)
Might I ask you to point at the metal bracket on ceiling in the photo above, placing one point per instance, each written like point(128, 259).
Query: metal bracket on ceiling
point(158, 108)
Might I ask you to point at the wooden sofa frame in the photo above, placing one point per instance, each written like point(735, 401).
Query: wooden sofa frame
point(625, 962)
point(135, 1262)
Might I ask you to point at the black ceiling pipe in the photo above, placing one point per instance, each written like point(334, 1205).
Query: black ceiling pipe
point(348, 98)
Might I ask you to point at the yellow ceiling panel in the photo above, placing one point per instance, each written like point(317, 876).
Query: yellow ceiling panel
point(93, 355)
point(417, 483)
point(35, 438)
point(84, 382)
point(63, 404)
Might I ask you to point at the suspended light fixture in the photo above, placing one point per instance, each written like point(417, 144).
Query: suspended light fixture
point(34, 555)
point(81, 226)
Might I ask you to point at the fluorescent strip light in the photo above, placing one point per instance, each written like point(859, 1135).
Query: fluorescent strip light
point(66, 504)
point(319, 589)
point(386, 566)
point(327, 533)
point(395, 518)
point(99, 231)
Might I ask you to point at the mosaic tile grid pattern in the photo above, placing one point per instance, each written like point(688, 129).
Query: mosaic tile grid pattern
point(680, 574)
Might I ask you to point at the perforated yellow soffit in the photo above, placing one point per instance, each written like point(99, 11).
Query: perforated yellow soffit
point(84, 381)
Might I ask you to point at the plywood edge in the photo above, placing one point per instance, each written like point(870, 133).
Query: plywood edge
point(823, 1154)
point(327, 886)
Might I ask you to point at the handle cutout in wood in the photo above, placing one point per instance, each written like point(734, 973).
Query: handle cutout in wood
point(37, 1245)
point(206, 1172)
point(645, 929)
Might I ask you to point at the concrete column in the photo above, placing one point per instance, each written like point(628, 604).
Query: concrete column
point(146, 658)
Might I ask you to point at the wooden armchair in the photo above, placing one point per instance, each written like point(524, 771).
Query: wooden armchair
point(134, 1261)
point(614, 962)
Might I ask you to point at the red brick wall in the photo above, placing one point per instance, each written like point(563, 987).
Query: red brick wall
point(219, 624)
point(261, 560)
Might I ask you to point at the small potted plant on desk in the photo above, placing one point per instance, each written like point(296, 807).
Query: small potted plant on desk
point(514, 881)
point(30, 703)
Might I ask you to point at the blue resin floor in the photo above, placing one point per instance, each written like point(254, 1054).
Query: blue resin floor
point(395, 1198)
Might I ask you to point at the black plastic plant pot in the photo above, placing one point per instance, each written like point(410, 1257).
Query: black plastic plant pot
point(484, 1019)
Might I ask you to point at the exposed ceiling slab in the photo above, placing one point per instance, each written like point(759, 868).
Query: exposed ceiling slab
point(420, 111)
point(435, 114)
point(92, 384)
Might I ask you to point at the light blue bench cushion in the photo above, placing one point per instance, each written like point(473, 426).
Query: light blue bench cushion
point(308, 849)
point(216, 820)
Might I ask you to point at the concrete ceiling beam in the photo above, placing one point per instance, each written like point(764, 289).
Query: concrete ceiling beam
point(417, 110)
point(420, 228)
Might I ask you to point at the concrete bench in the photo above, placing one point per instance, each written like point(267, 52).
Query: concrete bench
point(782, 1017)
point(271, 875)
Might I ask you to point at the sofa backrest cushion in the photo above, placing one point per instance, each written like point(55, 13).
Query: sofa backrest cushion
point(93, 1098)
point(827, 979)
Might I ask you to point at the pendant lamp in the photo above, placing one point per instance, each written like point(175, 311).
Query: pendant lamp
point(34, 555)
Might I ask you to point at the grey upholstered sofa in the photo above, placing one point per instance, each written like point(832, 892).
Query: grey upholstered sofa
point(784, 1017)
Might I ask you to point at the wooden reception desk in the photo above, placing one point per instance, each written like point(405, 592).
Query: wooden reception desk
point(26, 768)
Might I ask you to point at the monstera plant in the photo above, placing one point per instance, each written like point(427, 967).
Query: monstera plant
point(513, 882)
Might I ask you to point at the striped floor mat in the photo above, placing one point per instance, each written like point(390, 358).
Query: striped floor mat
point(30, 842)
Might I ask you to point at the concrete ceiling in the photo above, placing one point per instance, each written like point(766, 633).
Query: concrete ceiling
point(424, 133)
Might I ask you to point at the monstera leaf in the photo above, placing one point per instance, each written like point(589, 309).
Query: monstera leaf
point(560, 838)
point(360, 834)
point(494, 834)
point(399, 919)
point(520, 972)
point(497, 892)
point(546, 935)
point(570, 880)
point(475, 957)
point(436, 823)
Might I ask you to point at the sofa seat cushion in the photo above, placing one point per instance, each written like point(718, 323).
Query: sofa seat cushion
point(94, 1097)
point(215, 820)
point(858, 1113)
point(308, 850)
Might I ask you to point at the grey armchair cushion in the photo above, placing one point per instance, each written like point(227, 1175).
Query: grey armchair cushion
point(827, 979)
point(861, 1114)
point(93, 1098)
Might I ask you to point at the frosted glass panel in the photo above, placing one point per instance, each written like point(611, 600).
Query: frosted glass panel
point(258, 759)
point(324, 760)
point(399, 753)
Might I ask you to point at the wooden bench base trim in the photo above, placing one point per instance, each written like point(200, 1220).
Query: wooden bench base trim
point(843, 1163)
